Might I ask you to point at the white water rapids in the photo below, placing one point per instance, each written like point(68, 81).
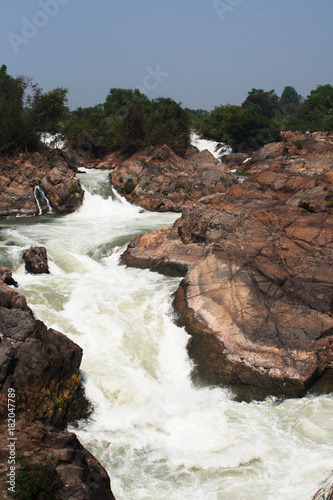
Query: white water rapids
point(159, 436)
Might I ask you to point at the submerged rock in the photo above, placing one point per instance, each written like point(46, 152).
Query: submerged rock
point(35, 259)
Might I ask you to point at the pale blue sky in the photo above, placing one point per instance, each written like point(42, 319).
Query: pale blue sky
point(202, 53)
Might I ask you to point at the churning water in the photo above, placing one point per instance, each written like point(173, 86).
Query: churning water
point(158, 435)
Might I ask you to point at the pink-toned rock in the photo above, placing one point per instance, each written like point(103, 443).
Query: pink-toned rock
point(257, 295)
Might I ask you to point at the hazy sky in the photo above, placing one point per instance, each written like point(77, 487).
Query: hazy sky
point(202, 53)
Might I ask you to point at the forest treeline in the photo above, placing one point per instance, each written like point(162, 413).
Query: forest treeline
point(129, 120)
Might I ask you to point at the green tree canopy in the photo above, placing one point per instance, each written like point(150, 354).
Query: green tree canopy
point(317, 109)
point(169, 124)
point(267, 101)
point(118, 101)
point(25, 111)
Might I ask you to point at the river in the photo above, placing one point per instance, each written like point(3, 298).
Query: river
point(158, 435)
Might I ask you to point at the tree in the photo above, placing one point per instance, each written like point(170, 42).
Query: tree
point(267, 101)
point(169, 124)
point(289, 101)
point(317, 109)
point(130, 133)
point(11, 108)
point(25, 112)
point(118, 101)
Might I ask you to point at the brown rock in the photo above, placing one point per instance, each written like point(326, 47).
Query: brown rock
point(20, 176)
point(257, 296)
point(6, 276)
point(158, 179)
point(40, 364)
point(310, 154)
point(35, 259)
point(80, 476)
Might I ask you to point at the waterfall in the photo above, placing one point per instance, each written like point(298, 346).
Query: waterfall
point(217, 149)
point(42, 201)
point(159, 435)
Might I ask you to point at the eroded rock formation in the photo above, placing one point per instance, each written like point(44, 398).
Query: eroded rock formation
point(21, 176)
point(157, 179)
point(257, 296)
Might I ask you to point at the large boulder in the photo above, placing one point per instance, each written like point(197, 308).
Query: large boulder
point(33, 185)
point(257, 296)
point(39, 363)
point(35, 259)
point(157, 179)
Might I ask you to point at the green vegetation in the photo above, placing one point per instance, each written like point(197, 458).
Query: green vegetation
point(263, 115)
point(36, 481)
point(25, 112)
point(128, 120)
point(298, 143)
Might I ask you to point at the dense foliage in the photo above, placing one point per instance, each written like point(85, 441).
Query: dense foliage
point(129, 120)
point(26, 112)
point(263, 115)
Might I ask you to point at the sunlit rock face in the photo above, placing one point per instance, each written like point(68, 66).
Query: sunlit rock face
point(257, 296)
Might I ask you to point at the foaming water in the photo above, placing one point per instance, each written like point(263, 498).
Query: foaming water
point(159, 436)
point(217, 149)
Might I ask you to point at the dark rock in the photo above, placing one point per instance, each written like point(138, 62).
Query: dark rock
point(6, 276)
point(80, 475)
point(40, 364)
point(35, 259)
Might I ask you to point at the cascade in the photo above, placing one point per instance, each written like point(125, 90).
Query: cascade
point(42, 201)
point(159, 435)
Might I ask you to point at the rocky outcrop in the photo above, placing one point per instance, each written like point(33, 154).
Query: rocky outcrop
point(40, 364)
point(39, 372)
point(157, 179)
point(35, 259)
point(31, 184)
point(257, 295)
point(310, 154)
point(79, 476)
point(6, 276)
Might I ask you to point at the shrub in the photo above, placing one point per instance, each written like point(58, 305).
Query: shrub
point(298, 143)
point(129, 185)
point(36, 481)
